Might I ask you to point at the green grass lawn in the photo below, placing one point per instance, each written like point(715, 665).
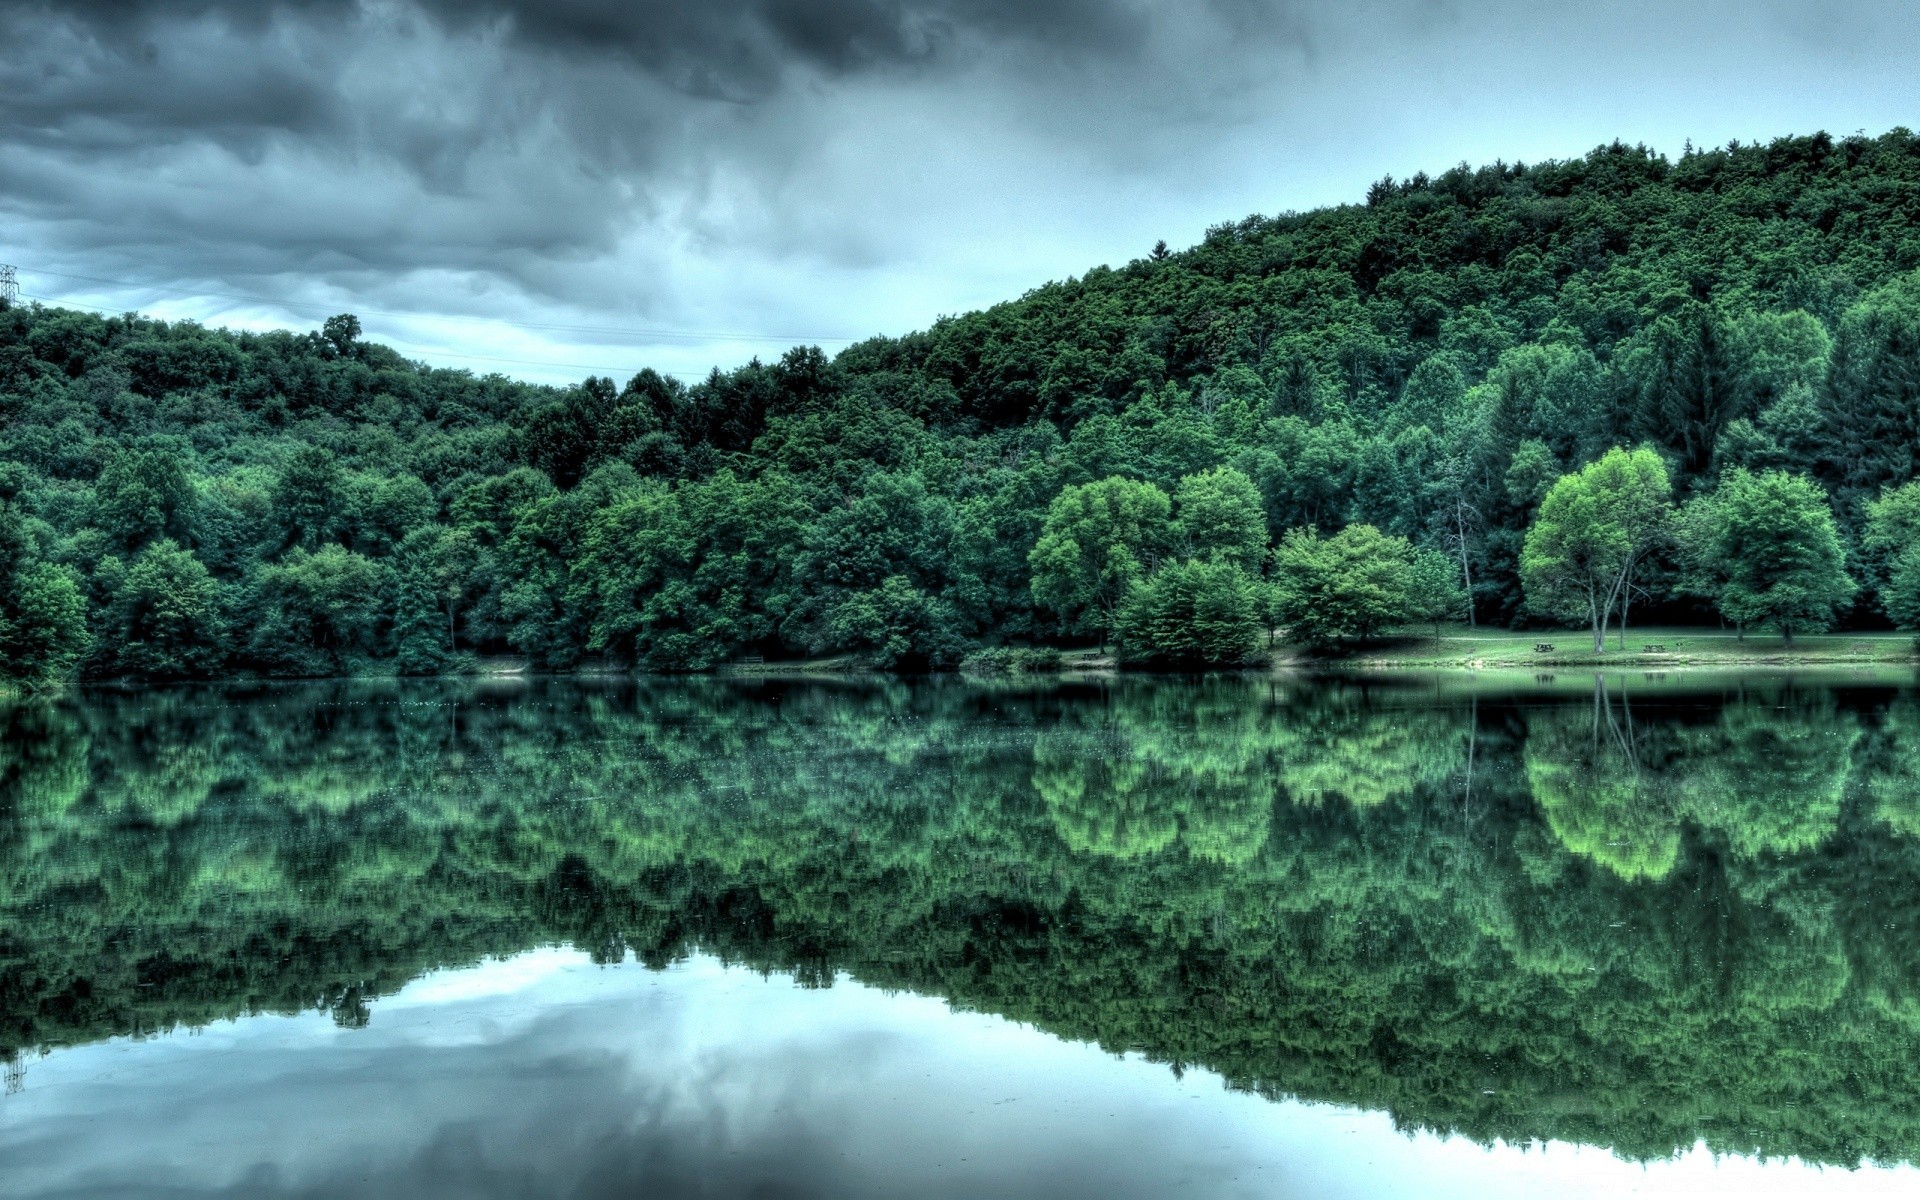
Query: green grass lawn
point(1654, 646)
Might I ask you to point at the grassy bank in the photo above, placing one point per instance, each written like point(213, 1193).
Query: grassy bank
point(1664, 647)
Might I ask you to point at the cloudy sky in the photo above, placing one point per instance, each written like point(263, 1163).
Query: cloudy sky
point(550, 188)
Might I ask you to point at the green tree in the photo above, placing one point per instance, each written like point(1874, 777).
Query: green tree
point(1190, 614)
point(1595, 527)
point(897, 626)
point(882, 561)
point(306, 497)
point(318, 613)
point(1691, 372)
point(448, 563)
point(1893, 534)
point(1097, 540)
point(1870, 400)
point(144, 495)
point(1434, 592)
point(421, 641)
point(1351, 585)
point(166, 619)
point(1218, 515)
point(1764, 547)
point(43, 627)
point(682, 578)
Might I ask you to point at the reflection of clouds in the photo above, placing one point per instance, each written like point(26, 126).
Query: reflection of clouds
point(543, 1076)
point(559, 1079)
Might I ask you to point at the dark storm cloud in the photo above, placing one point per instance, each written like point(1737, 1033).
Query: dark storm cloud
point(466, 135)
point(741, 49)
point(744, 45)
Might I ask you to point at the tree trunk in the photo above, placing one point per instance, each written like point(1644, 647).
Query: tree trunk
point(1598, 620)
point(1466, 567)
point(1626, 598)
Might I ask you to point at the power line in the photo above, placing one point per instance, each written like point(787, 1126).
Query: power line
point(296, 305)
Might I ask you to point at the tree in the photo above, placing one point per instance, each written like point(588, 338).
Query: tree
point(340, 332)
point(1451, 492)
point(1219, 517)
point(421, 643)
point(318, 613)
point(682, 578)
point(1433, 588)
point(1764, 547)
point(1691, 373)
point(1870, 401)
point(886, 558)
point(1351, 585)
point(306, 497)
point(1594, 529)
point(445, 562)
point(1191, 614)
point(165, 620)
point(897, 626)
point(43, 628)
point(1893, 533)
point(1097, 540)
point(144, 495)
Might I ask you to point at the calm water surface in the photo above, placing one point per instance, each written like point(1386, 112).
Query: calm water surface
point(1578, 937)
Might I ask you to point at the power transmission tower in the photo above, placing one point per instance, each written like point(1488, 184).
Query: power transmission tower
point(9, 286)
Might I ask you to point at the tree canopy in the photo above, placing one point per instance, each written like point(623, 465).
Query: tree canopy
point(1594, 528)
point(1767, 546)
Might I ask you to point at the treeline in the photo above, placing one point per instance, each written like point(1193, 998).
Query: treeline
point(1640, 918)
point(1296, 422)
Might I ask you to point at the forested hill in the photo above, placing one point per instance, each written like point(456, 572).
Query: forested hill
point(1118, 454)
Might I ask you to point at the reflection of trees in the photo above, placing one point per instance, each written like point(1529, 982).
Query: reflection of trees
point(1769, 775)
point(1585, 772)
point(43, 759)
point(1103, 800)
point(1342, 744)
point(1110, 863)
point(1135, 774)
point(1893, 774)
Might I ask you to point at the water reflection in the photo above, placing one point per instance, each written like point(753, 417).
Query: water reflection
point(1636, 917)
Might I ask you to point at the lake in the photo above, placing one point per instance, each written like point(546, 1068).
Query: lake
point(1572, 935)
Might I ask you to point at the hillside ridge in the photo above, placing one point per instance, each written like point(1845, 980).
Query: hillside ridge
point(185, 502)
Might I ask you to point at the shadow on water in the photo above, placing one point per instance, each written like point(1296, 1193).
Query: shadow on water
point(1636, 915)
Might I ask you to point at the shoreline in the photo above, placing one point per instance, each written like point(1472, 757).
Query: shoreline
point(1461, 653)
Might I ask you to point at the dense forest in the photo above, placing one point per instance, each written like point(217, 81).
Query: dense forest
point(1628, 916)
point(1326, 424)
